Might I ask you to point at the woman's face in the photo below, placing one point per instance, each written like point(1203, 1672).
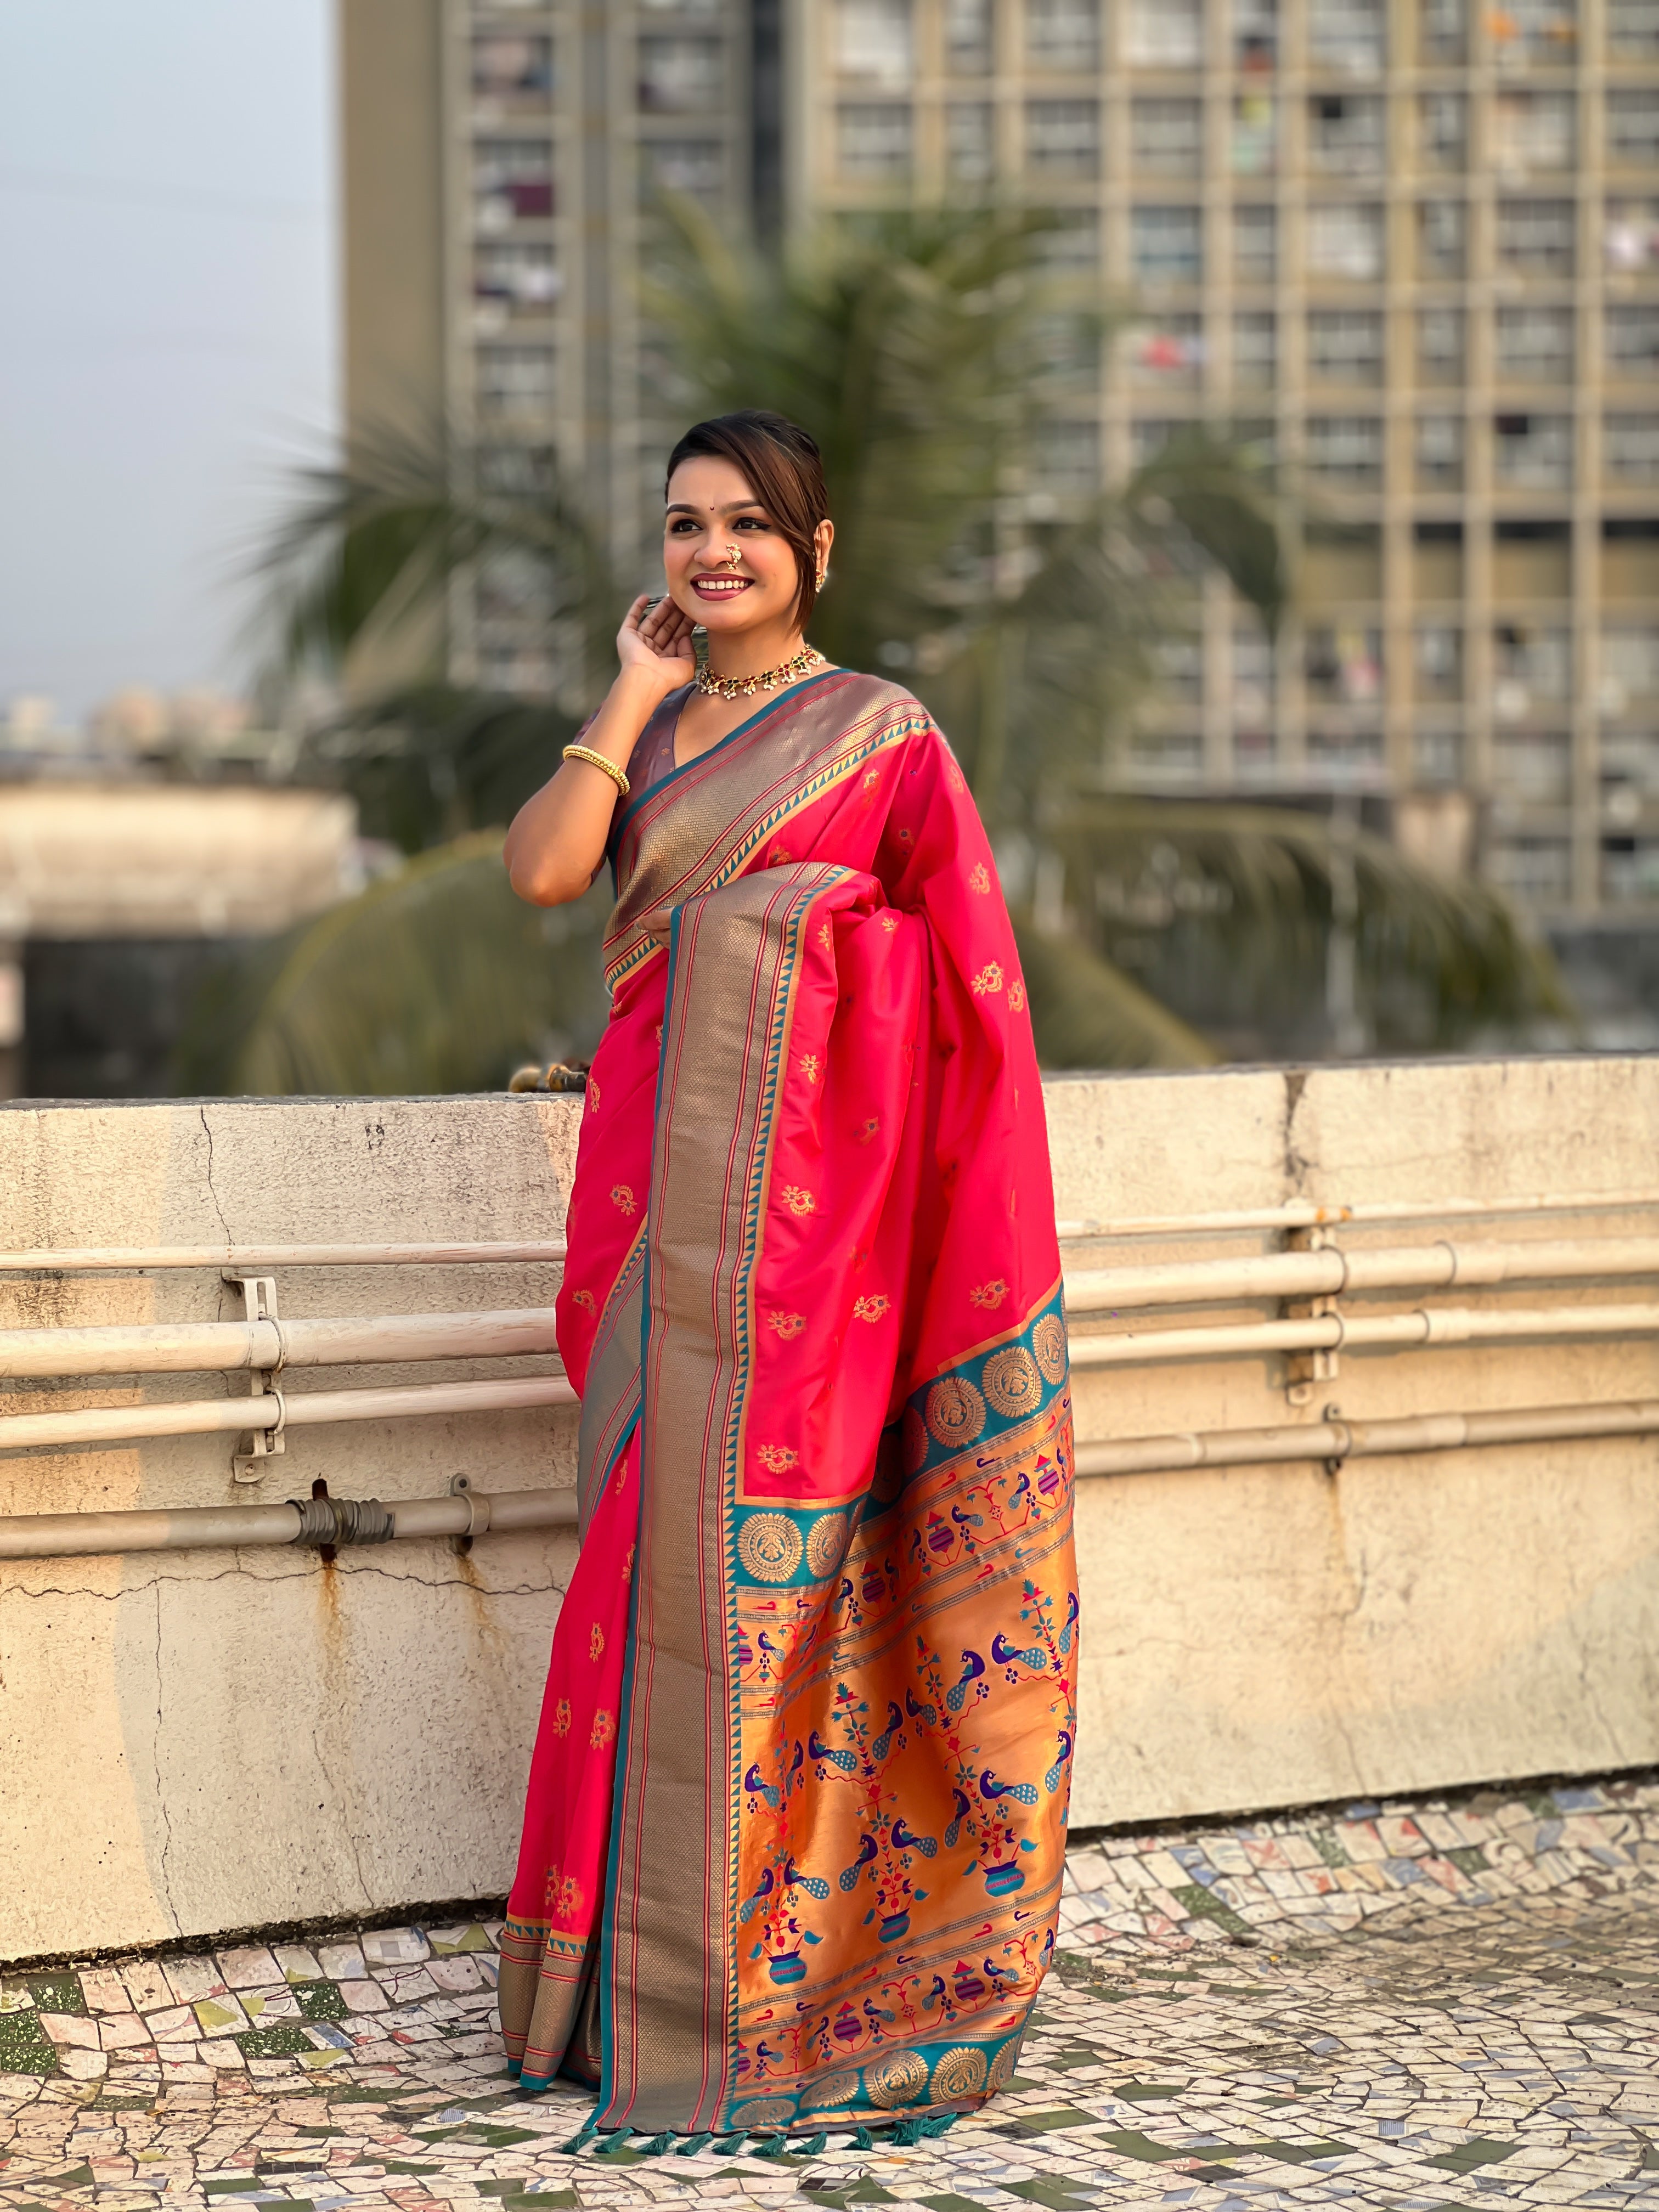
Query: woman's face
point(728, 565)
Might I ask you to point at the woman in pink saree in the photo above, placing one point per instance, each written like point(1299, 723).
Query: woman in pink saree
point(795, 1835)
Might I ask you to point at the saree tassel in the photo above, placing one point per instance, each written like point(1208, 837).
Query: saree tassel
point(690, 2149)
point(657, 2148)
point(772, 2147)
point(938, 2124)
point(813, 2146)
point(614, 2141)
point(729, 2145)
point(907, 2133)
point(863, 2140)
point(584, 2135)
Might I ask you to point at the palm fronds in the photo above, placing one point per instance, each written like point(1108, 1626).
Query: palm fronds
point(436, 978)
point(1085, 1013)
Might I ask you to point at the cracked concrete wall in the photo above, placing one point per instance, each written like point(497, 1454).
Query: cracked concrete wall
point(194, 1742)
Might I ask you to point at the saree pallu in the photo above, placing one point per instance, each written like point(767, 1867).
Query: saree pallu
point(794, 1839)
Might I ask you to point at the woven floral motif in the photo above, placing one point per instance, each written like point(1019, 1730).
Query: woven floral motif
point(770, 1547)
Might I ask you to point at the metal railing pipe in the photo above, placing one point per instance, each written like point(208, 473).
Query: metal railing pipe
point(95, 1424)
point(227, 1347)
point(216, 1528)
point(1335, 1441)
point(93, 1259)
point(1358, 1332)
point(1330, 1271)
point(1305, 1213)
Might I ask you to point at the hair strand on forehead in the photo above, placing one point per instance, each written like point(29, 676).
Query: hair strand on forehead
point(782, 466)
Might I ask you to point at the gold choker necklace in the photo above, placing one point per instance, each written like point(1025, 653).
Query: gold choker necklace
point(744, 687)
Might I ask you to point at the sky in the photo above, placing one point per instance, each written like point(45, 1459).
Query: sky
point(167, 327)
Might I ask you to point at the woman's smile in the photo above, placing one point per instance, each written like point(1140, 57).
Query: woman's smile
point(720, 587)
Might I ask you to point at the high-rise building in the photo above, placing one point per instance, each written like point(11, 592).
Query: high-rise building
point(500, 159)
point(1412, 245)
point(1415, 245)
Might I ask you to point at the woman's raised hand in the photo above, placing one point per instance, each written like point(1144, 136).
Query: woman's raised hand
point(656, 640)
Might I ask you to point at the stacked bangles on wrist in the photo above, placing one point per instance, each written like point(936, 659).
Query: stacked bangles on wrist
point(598, 760)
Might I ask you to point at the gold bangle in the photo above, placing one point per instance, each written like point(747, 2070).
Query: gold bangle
point(598, 760)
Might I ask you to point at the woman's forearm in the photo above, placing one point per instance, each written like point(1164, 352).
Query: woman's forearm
point(557, 839)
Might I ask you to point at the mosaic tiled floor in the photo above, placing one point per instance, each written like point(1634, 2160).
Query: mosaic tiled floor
point(1420, 2008)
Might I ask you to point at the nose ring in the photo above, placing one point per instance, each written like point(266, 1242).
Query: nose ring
point(733, 554)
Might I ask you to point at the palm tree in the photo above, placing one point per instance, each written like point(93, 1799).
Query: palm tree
point(943, 366)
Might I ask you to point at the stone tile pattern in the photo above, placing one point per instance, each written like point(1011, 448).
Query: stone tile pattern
point(1422, 2006)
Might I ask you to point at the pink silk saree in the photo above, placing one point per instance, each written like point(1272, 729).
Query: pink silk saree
point(795, 1835)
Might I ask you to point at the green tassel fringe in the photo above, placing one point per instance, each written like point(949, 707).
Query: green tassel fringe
point(690, 2149)
point(863, 2140)
point(729, 2145)
point(584, 2135)
point(614, 2141)
point(813, 2146)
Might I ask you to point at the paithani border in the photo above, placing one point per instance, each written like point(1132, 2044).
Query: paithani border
point(668, 2054)
point(707, 815)
point(813, 1519)
point(610, 1392)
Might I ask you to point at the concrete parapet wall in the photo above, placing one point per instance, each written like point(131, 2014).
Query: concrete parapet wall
point(193, 1742)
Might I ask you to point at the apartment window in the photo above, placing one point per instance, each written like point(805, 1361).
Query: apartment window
point(1167, 135)
point(1442, 233)
point(1440, 345)
point(1070, 239)
point(1062, 137)
point(1536, 236)
point(1533, 452)
point(1066, 457)
point(1444, 31)
point(1631, 240)
point(873, 43)
point(1534, 345)
point(1529, 663)
point(1630, 757)
point(1168, 351)
point(1533, 34)
point(513, 182)
point(1345, 448)
point(1631, 335)
point(1179, 659)
point(1346, 755)
point(516, 471)
point(681, 76)
point(1255, 36)
point(1438, 660)
point(516, 279)
point(1255, 349)
point(1148, 436)
point(969, 37)
point(1436, 756)
point(1062, 34)
point(1344, 238)
point(1534, 130)
point(1255, 134)
point(1630, 871)
point(1171, 756)
point(515, 379)
point(1630, 660)
point(512, 72)
point(1345, 346)
point(1166, 245)
point(1253, 674)
point(1633, 128)
point(1533, 870)
point(1532, 766)
point(1344, 663)
point(1442, 129)
point(1629, 448)
point(692, 168)
point(1346, 35)
point(970, 145)
point(1633, 30)
point(1345, 134)
point(1255, 244)
point(872, 138)
point(1165, 33)
point(702, 11)
point(1438, 452)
